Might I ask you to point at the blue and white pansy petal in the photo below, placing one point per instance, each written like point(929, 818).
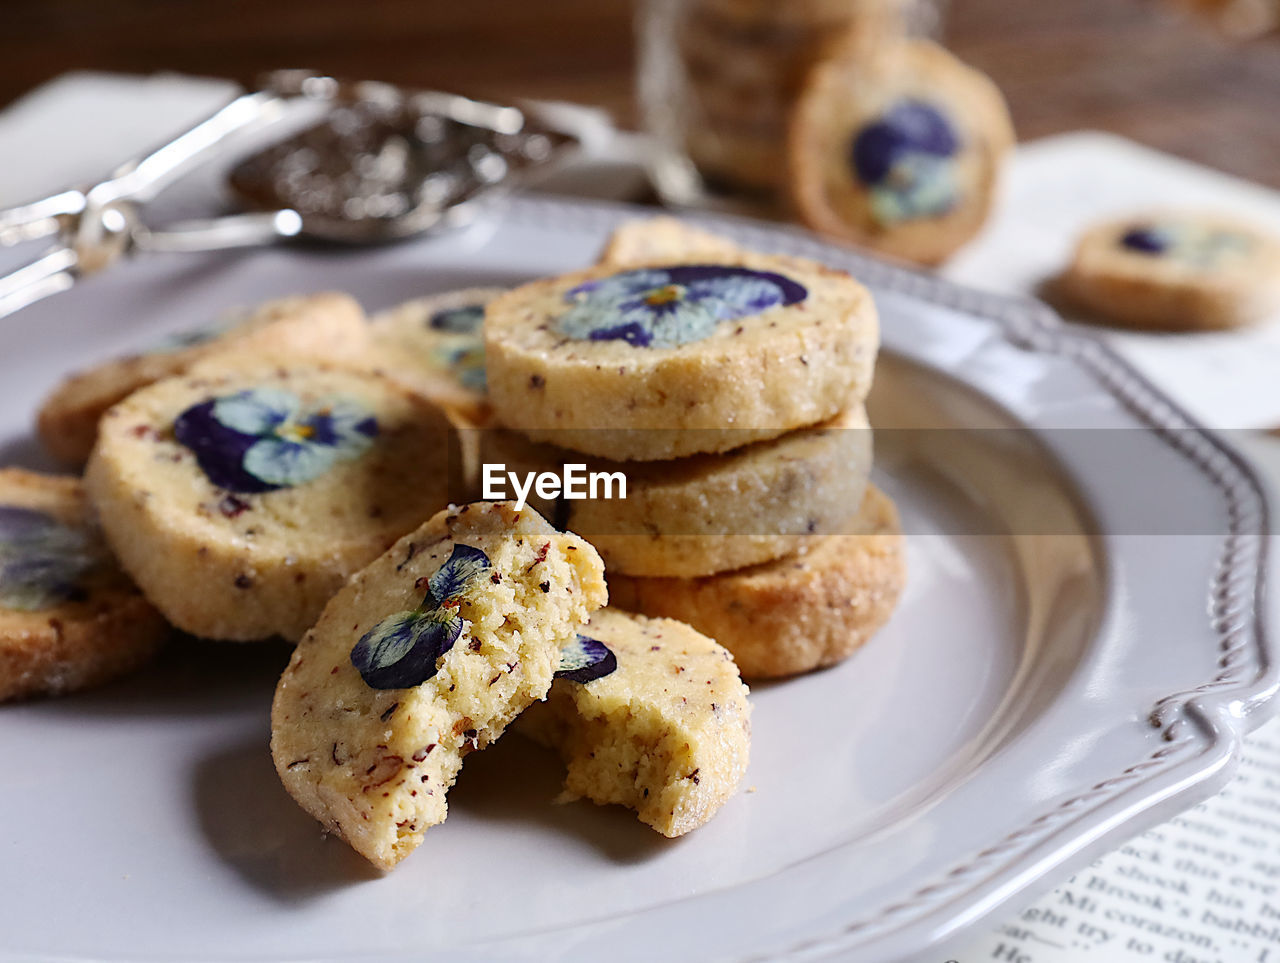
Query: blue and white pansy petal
point(42, 560)
point(263, 439)
point(403, 649)
point(464, 320)
point(906, 159)
point(669, 307)
point(583, 659)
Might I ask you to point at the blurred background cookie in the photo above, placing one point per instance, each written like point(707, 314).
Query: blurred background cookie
point(899, 150)
point(1174, 271)
point(316, 326)
point(69, 617)
point(240, 501)
point(435, 345)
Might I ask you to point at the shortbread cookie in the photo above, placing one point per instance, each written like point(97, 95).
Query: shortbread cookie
point(1176, 271)
point(69, 617)
point(315, 326)
point(674, 359)
point(706, 513)
point(899, 150)
point(240, 501)
point(656, 239)
point(425, 655)
point(647, 714)
point(796, 613)
point(435, 346)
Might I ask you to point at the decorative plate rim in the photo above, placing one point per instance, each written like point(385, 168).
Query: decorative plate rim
point(1214, 715)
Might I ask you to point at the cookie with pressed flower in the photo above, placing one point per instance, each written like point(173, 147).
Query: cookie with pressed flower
point(648, 714)
point(679, 357)
point(435, 345)
point(240, 500)
point(705, 513)
point(796, 613)
point(898, 149)
point(1175, 271)
point(311, 326)
point(69, 616)
point(422, 657)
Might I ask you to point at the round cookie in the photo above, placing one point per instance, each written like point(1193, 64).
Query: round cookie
point(793, 614)
point(422, 657)
point(657, 239)
point(434, 345)
point(673, 359)
point(898, 150)
point(69, 617)
point(707, 513)
point(241, 500)
point(648, 714)
point(1175, 271)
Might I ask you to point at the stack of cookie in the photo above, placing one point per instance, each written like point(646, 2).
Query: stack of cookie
point(745, 62)
point(728, 388)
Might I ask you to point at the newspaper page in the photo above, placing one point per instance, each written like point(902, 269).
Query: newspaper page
point(1202, 888)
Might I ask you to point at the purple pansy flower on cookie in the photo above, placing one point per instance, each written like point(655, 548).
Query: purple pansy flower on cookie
point(466, 319)
point(668, 307)
point(42, 560)
point(906, 159)
point(263, 439)
point(1194, 245)
point(466, 363)
point(402, 650)
point(583, 659)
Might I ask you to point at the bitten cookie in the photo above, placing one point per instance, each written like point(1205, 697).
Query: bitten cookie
point(1175, 271)
point(69, 617)
point(240, 501)
point(898, 150)
point(705, 513)
point(315, 326)
point(434, 345)
point(793, 614)
point(647, 714)
point(422, 657)
point(673, 359)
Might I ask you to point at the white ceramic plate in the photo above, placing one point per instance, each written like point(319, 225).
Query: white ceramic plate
point(1077, 655)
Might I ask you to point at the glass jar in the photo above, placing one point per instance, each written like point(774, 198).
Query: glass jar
point(718, 78)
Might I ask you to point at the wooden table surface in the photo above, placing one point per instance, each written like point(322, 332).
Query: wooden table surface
point(1128, 66)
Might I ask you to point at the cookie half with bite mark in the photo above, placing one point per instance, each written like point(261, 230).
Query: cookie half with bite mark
point(647, 714)
point(435, 345)
point(308, 327)
point(796, 613)
point(240, 500)
point(676, 358)
point(1175, 271)
point(69, 616)
point(706, 513)
point(898, 149)
point(424, 656)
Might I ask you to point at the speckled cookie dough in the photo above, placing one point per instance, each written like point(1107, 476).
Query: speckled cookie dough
point(240, 501)
point(435, 346)
point(647, 714)
point(656, 239)
point(674, 359)
point(314, 326)
point(708, 513)
point(793, 614)
point(1177, 271)
point(69, 617)
point(898, 150)
point(424, 656)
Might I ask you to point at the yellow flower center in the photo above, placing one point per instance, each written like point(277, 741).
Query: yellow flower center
point(664, 295)
point(296, 432)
